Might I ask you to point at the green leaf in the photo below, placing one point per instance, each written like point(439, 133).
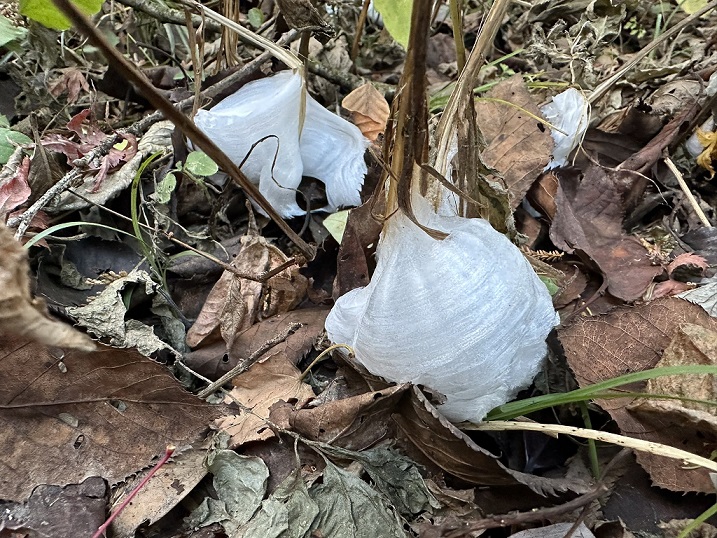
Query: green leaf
point(9, 140)
point(165, 188)
point(45, 12)
point(551, 284)
point(199, 164)
point(692, 6)
point(287, 513)
point(4, 122)
point(350, 508)
point(336, 224)
point(396, 16)
point(9, 32)
point(256, 17)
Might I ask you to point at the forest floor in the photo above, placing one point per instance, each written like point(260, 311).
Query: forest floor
point(199, 302)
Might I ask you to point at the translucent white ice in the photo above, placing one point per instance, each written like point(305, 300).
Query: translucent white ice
point(567, 111)
point(328, 147)
point(466, 316)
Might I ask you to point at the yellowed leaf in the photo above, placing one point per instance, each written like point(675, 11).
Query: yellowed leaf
point(708, 139)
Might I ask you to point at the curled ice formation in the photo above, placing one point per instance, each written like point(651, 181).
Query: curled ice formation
point(327, 147)
point(466, 316)
point(568, 111)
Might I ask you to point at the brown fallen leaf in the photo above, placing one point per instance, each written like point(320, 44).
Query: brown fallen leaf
point(588, 218)
point(71, 82)
point(356, 423)
point(517, 146)
point(235, 303)
point(169, 485)
point(369, 110)
point(456, 453)
point(357, 249)
point(266, 383)
point(68, 415)
point(632, 340)
point(22, 315)
point(213, 361)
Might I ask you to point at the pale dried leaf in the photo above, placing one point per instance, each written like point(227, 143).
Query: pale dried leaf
point(369, 110)
point(258, 389)
point(19, 313)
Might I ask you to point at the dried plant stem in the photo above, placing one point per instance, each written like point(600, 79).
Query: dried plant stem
point(650, 447)
point(246, 364)
point(457, 20)
point(605, 86)
point(359, 30)
point(690, 197)
point(517, 518)
point(103, 528)
point(322, 355)
point(280, 53)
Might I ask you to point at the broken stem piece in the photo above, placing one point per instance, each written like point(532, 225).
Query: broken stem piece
point(246, 364)
point(103, 528)
point(621, 440)
point(690, 197)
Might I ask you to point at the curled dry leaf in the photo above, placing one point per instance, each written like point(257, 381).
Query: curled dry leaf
point(632, 340)
point(21, 314)
point(456, 453)
point(686, 266)
point(369, 110)
point(235, 304)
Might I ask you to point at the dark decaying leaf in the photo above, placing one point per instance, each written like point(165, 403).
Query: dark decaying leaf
point(632, 340)
point(287, 513)
point(394, 475)
point(120, 410)
point(516, 146)
point(588, 218)
point(358, 245)
point(456, 453)
point(59, 511)
point(240, 484)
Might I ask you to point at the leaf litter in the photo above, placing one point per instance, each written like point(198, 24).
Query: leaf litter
point(322, 447)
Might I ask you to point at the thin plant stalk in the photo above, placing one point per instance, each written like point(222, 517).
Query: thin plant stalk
point(650, 447)
point(592, 447)
point(103, 528)
point(457, 20)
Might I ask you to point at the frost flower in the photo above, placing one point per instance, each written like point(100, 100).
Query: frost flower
point(265, 114)
point(466, 316)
